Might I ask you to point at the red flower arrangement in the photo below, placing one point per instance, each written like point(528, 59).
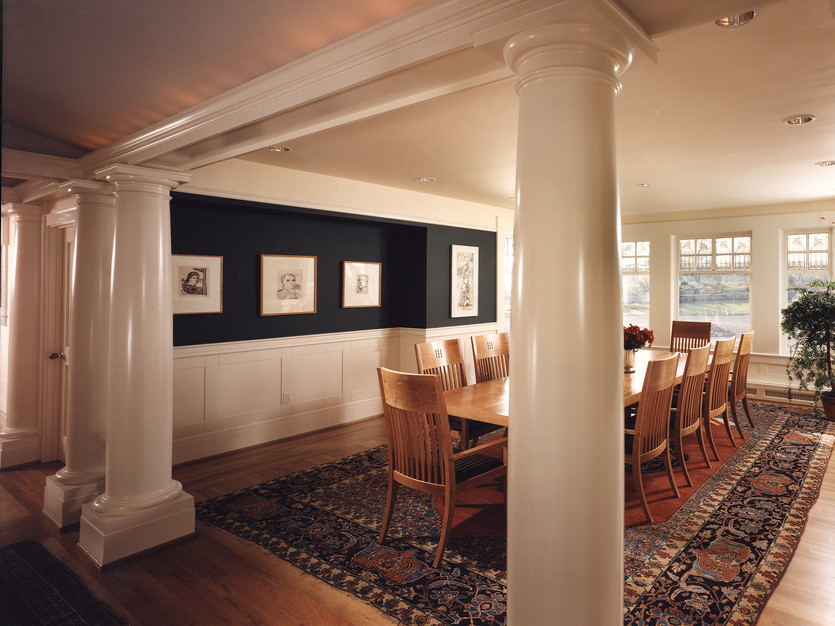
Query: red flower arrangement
point(635, 338)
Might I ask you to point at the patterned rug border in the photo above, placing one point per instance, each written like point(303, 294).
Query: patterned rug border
point(678, 532)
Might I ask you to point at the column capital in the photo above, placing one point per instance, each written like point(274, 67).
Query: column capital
point(121, 174)
point(76, 186)
point(560, 48)
point(519, 17)
point(18, 208)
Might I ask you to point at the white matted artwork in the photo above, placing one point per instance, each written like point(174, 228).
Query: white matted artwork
point(288, 284)
point(464, 281)
point(360, 284)
point(198, 284)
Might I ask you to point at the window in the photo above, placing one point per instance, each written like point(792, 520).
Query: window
point(807, 259)
point(713, 283)
point(634, 257)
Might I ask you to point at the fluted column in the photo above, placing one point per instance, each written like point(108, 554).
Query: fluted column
point(142, 506)
point(565, 510)
point(82, 477)
point(19, 432)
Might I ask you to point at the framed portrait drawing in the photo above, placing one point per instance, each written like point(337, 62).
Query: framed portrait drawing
point(198, 284)
point(360, 284)
point(288, 284)
point(464, 281)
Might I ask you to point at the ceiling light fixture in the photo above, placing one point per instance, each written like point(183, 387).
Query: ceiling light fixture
point(825, 163)
point(277, 148)
point(425, 179)
point(799, 120)
point(735, 21)
point(644, 184)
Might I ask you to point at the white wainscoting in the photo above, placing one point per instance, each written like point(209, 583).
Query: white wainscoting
point(229, 396)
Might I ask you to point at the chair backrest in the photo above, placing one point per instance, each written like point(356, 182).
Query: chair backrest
point(739, 379)
point(716, 389)
point(652, 423)
point(491, 354)
point(691, 390)
point(417, 426)
point(685, 336)
point(444, 358)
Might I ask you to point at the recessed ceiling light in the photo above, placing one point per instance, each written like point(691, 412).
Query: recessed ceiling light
point(798, 120)
point(735, 21)
point(425, 179)
point(645, 185)
point(278, 148)
point(825, 163)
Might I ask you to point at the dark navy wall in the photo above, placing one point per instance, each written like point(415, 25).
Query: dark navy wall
point(415, 275)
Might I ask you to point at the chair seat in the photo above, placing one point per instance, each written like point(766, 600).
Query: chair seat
point(473, 465)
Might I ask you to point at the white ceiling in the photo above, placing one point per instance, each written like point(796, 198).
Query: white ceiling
point(703, 125)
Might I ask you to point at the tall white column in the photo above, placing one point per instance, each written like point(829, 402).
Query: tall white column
point(565, 510)
point(82, 477)
point(19, 432)
point(142, 506)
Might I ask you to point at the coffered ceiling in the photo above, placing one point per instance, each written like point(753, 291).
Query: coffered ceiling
point(702, 124)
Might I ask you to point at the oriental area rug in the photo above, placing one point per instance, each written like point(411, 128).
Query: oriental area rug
point(716, 560)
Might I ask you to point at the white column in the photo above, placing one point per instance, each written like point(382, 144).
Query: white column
point(565, 510)
point(19, 431)
point(82, 477)
point(142, 506)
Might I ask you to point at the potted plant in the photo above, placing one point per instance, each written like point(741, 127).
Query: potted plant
point(634, 338)
point(810, 322)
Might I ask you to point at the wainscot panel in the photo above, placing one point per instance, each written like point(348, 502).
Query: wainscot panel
point(331, 379)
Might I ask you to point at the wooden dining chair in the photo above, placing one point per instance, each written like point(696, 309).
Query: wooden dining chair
point(738, 388)
point(687, 335)
point(446, 359)
point(420, 447)
point(715, 402)
point(491, 355)
point(687, 414)
point(650, 436)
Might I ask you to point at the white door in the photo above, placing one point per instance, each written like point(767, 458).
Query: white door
point(60, 251)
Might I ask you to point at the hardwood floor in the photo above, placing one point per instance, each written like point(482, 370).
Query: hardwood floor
point(216, 578)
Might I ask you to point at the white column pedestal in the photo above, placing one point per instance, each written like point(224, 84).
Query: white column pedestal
point(108, 538)
point(18, 449)
point(62, 502)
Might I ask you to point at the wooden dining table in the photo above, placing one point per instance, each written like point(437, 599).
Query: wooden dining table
point(490, 401)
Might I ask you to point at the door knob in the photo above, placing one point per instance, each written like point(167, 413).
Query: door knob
point(56, 355)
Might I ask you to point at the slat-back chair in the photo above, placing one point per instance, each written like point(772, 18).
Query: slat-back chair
point(687, 414)
point(738, 389)
point(420, 447)
point(491, 354)
point(716, 390)
point(687, 335)
point(446, 359)
point(650, 436)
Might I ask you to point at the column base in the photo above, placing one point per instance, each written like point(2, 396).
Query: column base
point(108, 538)
point(16, 450)
point(62, 502)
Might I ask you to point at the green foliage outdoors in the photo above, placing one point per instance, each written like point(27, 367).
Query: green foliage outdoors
point(810, 321)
